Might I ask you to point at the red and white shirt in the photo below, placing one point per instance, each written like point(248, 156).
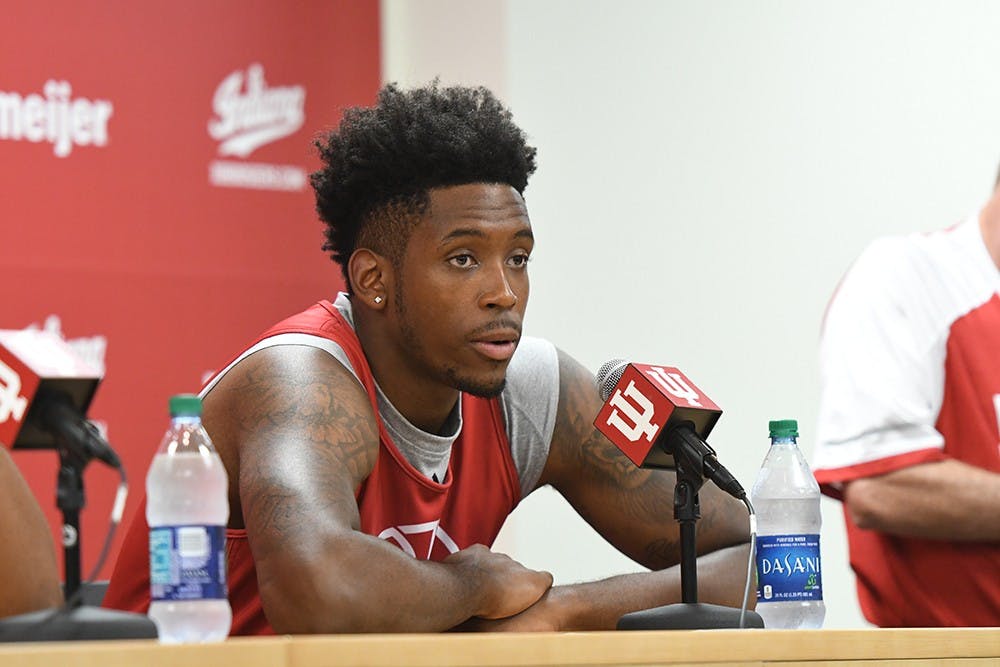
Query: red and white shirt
point(910, 373)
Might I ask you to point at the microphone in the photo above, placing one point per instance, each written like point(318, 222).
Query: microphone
point(660, 419)
point(45, 390)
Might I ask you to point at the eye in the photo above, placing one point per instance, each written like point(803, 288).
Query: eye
point(463, 261)
point(519, 261)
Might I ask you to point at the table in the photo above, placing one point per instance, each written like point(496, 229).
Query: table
point(789, 648)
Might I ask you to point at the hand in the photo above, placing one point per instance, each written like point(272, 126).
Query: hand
point(508, 587)
point(543, 616)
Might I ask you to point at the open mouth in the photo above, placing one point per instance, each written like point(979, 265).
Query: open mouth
point(498, 350)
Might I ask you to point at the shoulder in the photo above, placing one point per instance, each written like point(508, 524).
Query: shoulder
point(579, 402)
point(883, 289)
point(288, 393)
point(529, 402)
point(276, 370)
point(882, 271)
point(920, 282)
point(541, 371)
point(535, 361)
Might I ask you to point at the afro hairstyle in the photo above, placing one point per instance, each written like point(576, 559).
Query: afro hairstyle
point(381, 161)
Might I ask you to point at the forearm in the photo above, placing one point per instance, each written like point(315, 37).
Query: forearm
point(944, 500)
point(365, 584)
point(598, 605)
point(368, 585)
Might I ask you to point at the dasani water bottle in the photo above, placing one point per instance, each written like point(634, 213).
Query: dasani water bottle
point(786, 500)
point(187, 509)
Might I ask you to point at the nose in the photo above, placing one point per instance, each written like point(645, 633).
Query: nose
point(497, 290)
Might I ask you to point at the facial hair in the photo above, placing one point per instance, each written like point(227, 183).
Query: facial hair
point(448, 374)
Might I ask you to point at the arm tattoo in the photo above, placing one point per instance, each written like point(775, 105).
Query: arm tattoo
point(306, 442)
point(629, 506)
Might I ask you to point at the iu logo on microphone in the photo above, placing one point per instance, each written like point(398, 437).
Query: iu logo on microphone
point(11, 403)
point(637, 409)
point(675, 384)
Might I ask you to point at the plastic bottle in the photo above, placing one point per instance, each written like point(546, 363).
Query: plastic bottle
point(786, 500)
point(187, 508)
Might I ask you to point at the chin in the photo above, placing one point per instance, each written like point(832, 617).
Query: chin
point(482, 387)
point(484, 390)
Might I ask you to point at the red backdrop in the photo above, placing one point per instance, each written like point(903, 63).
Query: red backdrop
point(154, 205)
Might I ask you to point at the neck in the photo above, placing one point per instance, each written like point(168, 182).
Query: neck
point(989, 226)
point(424, 402)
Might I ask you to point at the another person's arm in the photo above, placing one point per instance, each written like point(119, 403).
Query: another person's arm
point(28, 570)
point(942, 500)
point(633, 509)
point(306, 439)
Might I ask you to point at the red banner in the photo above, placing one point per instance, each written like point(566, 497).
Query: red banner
point(154, 161)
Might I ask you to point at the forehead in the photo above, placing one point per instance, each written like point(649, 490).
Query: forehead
point(476, 205)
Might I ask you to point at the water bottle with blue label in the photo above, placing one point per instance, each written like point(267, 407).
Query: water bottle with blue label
point(187, 508)
point(786, 499)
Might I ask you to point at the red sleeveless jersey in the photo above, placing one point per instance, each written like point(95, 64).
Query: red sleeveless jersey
point(423, 518)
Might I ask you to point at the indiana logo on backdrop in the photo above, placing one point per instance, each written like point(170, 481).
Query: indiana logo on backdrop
point(250, 114)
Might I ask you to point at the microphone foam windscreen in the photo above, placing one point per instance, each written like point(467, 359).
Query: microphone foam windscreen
point(608, 376)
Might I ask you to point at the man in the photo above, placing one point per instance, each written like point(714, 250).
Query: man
point(908, 435)
point(375, 444)
point(27, 555)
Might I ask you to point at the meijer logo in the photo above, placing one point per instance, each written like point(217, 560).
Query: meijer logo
point(639, 413)
point(55, 117)
point(11, 403)
point(248, 120)
point(674, 384)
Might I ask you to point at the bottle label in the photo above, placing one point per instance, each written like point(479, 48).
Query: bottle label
point(788, 568)
point(187, 563)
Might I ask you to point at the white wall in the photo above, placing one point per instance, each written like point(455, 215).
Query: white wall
point(707, 171)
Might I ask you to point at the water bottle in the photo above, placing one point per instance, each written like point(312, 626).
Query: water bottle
point(187, 508)
point(786, 500)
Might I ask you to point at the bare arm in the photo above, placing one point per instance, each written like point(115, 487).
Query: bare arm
point(943, 500)
point(27, 554)
point(305, 438)
point(598, 605)
point(633, 509)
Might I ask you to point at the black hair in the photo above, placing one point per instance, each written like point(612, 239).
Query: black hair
point(379, 164)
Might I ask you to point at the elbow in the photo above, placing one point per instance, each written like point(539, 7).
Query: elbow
point(865, 507)
point(317, 596)
point(30, 580)
point(24, 599)
point(308, 604)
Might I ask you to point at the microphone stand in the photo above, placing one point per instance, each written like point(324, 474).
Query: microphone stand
point(70, 500)
point(74, 620)
point(689, 614)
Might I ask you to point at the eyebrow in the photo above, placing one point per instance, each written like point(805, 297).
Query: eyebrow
point(478, 233)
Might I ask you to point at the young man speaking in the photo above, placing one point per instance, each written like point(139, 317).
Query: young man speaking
point(376, 443)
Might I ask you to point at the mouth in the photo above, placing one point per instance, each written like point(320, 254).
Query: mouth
point(498, 345)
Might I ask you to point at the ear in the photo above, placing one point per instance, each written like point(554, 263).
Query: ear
point(371, 277)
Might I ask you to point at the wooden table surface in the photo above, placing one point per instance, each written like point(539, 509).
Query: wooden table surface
point(899, 648)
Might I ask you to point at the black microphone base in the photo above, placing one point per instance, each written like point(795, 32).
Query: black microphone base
point(76, 624)
point(689, 616)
